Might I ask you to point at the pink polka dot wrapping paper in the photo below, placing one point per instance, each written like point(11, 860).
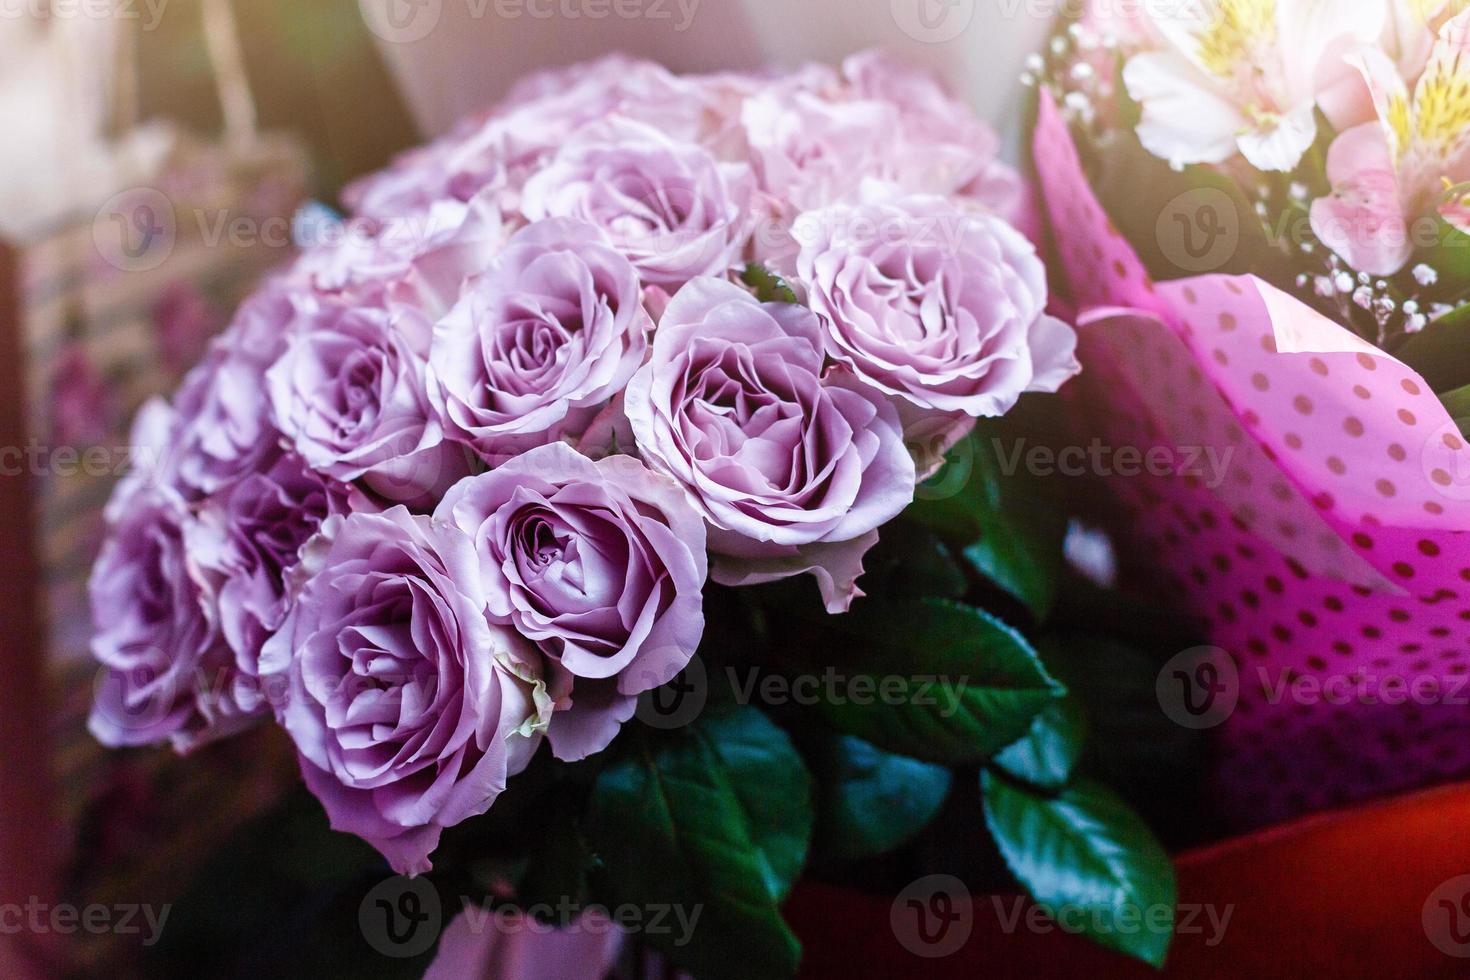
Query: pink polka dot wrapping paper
point(1328, 554)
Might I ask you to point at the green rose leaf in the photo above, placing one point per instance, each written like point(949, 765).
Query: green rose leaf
point(768, 286)
point(934, 680)
point(1046, 755)
point(1085, 851)
point(1005, 516)
point(870, 801)
point(715, 818)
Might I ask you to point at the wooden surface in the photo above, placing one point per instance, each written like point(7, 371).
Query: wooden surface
point(27, 835)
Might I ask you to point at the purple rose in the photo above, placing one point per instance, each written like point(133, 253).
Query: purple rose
point(793, 469)
point(349, 395)
point(602, 564)
point(417, 261)
point(409, 709)
point(810, 149)
point(537, 344)
point(671, 207)
point(248, 538)
point(934, 305)
point(169, 674)
point(938, 145)
point(224, 425)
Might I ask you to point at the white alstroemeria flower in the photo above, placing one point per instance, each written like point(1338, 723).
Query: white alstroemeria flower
point(1243, 75)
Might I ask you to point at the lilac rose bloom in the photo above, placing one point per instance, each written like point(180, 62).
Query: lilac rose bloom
point(793, 468)
point(408, 707)
point(538, 342)
point(225, 429)
point(939, 146)
point(671, 207)
point(247, 540)
point(349, 396)
point(602, 565)
point(168, 672)
point(937, 306)
point(417, 261)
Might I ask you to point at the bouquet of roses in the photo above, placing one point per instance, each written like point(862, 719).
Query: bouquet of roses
point(1260, 212)
point(544, 443)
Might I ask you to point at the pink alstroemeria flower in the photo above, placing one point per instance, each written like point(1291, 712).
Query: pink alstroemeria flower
point(1408, 164)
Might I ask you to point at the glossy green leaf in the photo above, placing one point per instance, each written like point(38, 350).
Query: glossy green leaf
point(870, 801)
point(715, 817)
point(1089, 859)
point(1046, 755)
point(934, 680)
point(1011, 527)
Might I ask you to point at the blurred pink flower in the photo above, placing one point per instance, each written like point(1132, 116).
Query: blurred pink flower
point(1389, 174)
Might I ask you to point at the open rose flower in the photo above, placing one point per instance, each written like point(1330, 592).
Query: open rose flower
point(417, 260)
point(169, 673)
point(671, 207)
point(248, 538)
point(602, 564)
point(793, 470)
point(939, 146)
point(550, 332)
point(409, 709)
point(934, 305)
point(224, 425)
point(349, 394)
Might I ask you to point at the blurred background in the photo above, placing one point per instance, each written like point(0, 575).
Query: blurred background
point(153, 155)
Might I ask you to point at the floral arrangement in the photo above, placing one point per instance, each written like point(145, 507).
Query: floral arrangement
point(548, 439)
point(1259, 215)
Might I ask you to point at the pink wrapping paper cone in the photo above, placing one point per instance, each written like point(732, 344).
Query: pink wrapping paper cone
point(1320, 535)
